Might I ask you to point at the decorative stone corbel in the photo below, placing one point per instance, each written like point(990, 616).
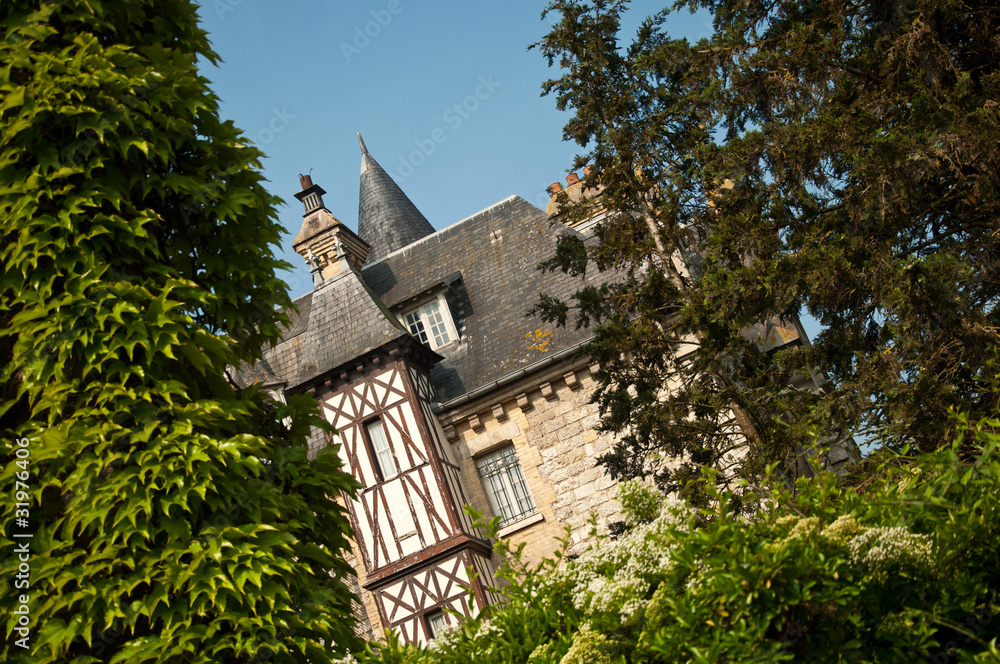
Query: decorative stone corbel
point(571, 381)
point(476, 423)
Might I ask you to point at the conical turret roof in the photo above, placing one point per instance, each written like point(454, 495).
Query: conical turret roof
point(387, 219)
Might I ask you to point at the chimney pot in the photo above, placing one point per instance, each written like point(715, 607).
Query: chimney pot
point(555, 188)
point(305, 181)
point(572, 179)
point(587, 170)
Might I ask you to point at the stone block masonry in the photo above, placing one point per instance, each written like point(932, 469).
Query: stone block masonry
point(557, 446)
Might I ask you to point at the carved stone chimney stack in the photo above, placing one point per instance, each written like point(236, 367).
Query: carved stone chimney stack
point(328, 246)
point(311, 194)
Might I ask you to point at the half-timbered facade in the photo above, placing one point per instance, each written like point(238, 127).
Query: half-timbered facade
point(444, 395)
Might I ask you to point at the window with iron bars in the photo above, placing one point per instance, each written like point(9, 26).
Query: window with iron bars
point(505, 486)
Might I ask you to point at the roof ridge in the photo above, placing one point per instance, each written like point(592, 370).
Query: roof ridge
point(449, 227)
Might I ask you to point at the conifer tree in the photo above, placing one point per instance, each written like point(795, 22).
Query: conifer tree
point(698, 391)
point(168, 515)
point(863, 139)
point(829, 157)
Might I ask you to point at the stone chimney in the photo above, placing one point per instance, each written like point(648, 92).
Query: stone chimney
point(576, 189)
point(327, 245)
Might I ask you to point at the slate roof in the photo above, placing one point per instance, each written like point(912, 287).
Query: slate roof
point(387, 219)
point(336, 323)
point(496, 252)
point(486, 265)
point(345, 322)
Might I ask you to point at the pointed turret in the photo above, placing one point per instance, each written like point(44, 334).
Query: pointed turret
point(387, 219)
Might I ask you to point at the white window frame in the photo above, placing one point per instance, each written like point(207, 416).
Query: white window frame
point(381, 449)
point(422, 315)
point(505, 486)
point(437, 622)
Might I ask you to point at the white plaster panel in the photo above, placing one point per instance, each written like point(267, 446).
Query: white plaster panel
point(366, 537)
point(437, 499)
point(393, 610)
point(376, 509)
point(406, 412)
point(366, 408)
point(392, 425)
point(380, 393)
point(461, 572)
point(419, 502)
point(415, 598)
point(342, 406)
point(399, 384)
point(410, 544)
point(408, 632)
point(399, 507)
point(455, 484)
point(385, 376)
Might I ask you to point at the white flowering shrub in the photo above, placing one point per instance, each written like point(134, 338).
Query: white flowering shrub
point(618, 576)
point(905, 571)
point(886, 549)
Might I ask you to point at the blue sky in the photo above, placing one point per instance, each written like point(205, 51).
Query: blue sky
point(445, 93)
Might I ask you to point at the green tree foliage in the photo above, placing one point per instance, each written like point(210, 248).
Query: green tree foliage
point(696, 390)
point(839, 158)
point(864, 142)
point(901, 573)
point(173, 517)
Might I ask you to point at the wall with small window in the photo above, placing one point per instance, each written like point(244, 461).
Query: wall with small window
point(530, 460)
point(418, 605)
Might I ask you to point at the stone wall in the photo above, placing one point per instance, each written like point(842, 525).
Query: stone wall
point(553, 432)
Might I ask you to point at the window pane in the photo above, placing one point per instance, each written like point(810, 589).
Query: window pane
point(505, 486)
point(524, 501)
point(416, 325)
point(499, 498)
point(380, 445)
point(436, 623)
point(435, 319)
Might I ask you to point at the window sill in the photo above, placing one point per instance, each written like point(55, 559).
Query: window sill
point(518, 525)
point(451, 345)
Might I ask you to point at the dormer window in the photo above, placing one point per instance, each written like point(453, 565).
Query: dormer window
point(431, 323)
